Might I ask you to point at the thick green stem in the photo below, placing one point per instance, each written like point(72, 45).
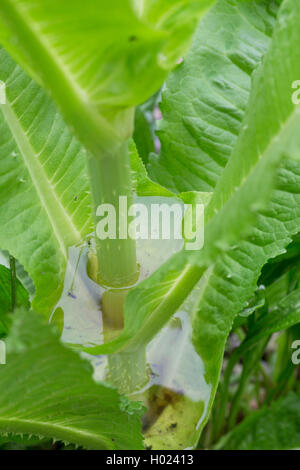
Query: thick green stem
point(111, 179)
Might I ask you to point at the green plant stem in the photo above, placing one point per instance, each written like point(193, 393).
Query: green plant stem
point(111, 178)
point(13, 274)
point(128, 371)
point(268, 382)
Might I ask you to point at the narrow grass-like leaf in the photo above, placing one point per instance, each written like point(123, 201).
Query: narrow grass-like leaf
point(44, 191)
point(273, 428)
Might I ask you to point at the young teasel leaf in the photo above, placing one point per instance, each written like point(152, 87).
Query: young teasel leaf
point(243, 229)
point(205, 97)
point(55, 396)
point(44, 191)
point(99, 59)
point(272, 428)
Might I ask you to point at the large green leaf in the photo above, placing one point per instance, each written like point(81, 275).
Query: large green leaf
point(270, 117)
point(273, 428)
point(205, 97)
point(243, 229)
point(44, 192)
point(6, 298)
point(99, 58)
point(285, 315)
point(47, 390)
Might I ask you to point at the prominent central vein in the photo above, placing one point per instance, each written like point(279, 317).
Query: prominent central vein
point(63, 227)
point(56, 430)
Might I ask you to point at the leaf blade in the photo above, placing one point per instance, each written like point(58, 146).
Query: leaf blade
point(45, 203)
point(61, 400)
point(273, 428)
point(206, 96)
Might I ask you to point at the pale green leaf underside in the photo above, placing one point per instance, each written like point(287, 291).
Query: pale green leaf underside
point(44, 192)
point(273, 428)
point(144, 186)
point(54, 395)
point(99, 58)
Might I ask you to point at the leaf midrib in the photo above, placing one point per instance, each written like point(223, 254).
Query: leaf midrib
point(64, 229)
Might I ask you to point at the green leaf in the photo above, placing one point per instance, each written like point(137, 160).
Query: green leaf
point(270, 117)
point(243, 189)
point(55, 395)
point(286, 314)
point(273, 428)
point(143, 135)
point(99, 62)
point(144, 126)
point(44, 192)
point(205, 97)
point(144, 186)
point(256, 303)
point(169, 274)
point(254, 212)
point(5, 292)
